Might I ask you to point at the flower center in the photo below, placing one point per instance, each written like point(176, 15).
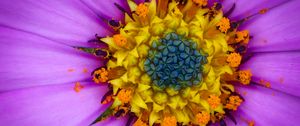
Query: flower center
point(174, 62)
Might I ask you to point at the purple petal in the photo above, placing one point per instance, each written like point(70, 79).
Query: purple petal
point(281, 69)
point(28, 60)
point(66, 21)
point(108, 8)
point(277, 30)
point(268, 107)
point(52, 105)
point(244, 8)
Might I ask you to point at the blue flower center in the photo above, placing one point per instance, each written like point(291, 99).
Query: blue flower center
point(175, 62)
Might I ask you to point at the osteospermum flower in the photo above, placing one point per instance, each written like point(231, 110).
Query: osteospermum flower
point(193, 62)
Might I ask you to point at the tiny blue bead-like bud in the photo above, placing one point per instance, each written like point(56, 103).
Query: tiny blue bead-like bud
point(176, 42)
point(183, 55)
point(165, 52)
point(187, 76)
point(172, 48)
point(181, 47)
point(174, 73)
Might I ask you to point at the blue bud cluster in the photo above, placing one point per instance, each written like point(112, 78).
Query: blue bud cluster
point(175, 62)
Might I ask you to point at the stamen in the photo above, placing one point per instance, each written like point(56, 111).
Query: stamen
point(234, 59)
point(142, 10)
point(224, 24)
point(200, 2)
point(242, 36)
point(214, 101)
point(107, 97)
point(120, 40)
point(100, 75)
point(203, 118)
point(245, 76)
point(124, 95)
point(120, 111)
point(78, 87)
point(169, 121)
point(233, 103)
point(139, 122)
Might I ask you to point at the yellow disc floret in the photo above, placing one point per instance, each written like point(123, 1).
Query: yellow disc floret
point(120, 40)
point(169, 121)
point(125, 95)
point(203, 118)
point(100, 75)
point(142, 10)
point(233, 103)
point(224, 24)
point(234, 59)
point(245, 76)
point(214, 101)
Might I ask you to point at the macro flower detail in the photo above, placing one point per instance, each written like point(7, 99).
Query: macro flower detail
point(149, 62)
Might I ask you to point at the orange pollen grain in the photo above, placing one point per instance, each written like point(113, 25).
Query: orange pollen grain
point(85, 70)
point(224, 24)
point(234, 59)
point(120, 40)
point(203, 118)
point(78, 87)
point(251, 123)
point(233, 103)
point(124, 95)
point(100, 75)
point(242, 36)
point(245, 76)
point(214, 101)
point(200, 2)
point(139, 123)
point(263, 11)
point(265, 83)
point(142, 10)
point(71, 70)
point(169, 121)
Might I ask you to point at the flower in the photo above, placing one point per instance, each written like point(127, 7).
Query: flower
point(45, 81)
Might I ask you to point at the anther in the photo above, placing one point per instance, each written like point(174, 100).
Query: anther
point(169, 121)
point(245, 76)
point(200, 2)
point(224, 25)
point(139, 122)
point(100, 75)
point(214, 101)
point(142, 10)
point(233, 102)
point(234, 59)
point(203, 118)
point(125, 95)
point(120, 40)
point(242, 36)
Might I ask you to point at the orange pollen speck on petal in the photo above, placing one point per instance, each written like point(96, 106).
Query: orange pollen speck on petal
point(203, 118)
point(142, 10)
point(71, 70)
point(263, 11)
point(85, 70)
point(245, 76)
point(224, 24)
point(200, 2)
point(120, 40)
point(265, 83)
point(251, 123)
point(139, 123)
point(214, 101)
point(242, 36)
point(100, 75)
point(169, 121)
point(78, 87)
point(233, 103)
point(234, 59)
point(124, 95)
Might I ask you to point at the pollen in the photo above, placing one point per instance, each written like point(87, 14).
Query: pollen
point(234, 59)
point(78, 87)
point(263, 11)
point(120, 40)
point(242, 36)
point(100, 75)
point(203, 118)
point(224, 24)
point(125, 95)
point(142, 10)
point(245, 76)
point(251, 123)
point(169, 121)
point(139, 122)
point(200, 2)
point(214, 101)
point(233, 103)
